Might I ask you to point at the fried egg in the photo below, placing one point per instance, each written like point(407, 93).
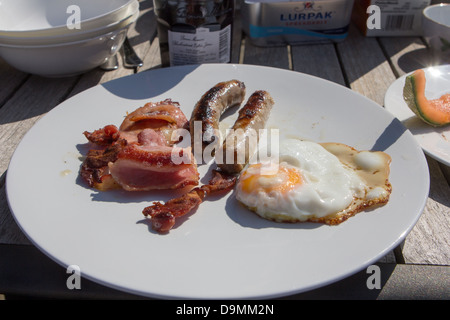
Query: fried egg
point(326, 182)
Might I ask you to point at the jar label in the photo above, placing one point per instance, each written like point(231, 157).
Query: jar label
point(203, 46)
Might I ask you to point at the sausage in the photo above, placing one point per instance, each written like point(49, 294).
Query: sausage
point(252, 117)
point(209, 109)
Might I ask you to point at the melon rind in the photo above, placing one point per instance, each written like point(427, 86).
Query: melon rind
point(410, 95)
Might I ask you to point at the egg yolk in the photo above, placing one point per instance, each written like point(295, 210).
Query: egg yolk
point(283, 180)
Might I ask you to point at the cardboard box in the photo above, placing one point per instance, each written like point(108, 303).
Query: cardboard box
point(389, 17)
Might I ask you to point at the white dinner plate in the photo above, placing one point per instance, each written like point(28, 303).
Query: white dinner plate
point(222, 250)
point(435, 141)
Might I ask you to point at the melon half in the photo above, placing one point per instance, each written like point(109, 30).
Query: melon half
point(435, 112)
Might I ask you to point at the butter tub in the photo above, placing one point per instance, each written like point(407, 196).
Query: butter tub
point(276, 23)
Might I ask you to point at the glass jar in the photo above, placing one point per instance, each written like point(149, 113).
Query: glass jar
point(194, 31)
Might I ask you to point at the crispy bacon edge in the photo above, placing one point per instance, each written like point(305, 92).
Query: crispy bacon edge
point(163, 216)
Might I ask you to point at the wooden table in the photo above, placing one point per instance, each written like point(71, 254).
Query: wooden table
point(418, 268)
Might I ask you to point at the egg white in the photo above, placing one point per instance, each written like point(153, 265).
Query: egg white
point(335, 180)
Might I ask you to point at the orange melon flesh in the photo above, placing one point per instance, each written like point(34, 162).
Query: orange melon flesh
point(435, 112)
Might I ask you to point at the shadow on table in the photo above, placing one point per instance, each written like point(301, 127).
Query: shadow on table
point(417, 59)
point(145, 26)
point(364, 285)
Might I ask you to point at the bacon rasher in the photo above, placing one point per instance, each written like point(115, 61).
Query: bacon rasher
point(137, 156)
point(140, 168)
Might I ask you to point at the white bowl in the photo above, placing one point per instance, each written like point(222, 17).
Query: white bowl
point(436, 30)
point(82, 33)
point(65, 59)
point(40, 18)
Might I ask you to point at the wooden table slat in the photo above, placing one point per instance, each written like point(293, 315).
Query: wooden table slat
point(319, 60)
point(271, 56)
point(10, 80)
point(365, 66)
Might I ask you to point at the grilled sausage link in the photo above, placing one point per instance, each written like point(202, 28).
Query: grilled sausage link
point(209, 109)
point(242, 142)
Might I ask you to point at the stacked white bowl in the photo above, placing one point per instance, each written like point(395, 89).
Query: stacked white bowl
point(436, 30)
point(56, 38)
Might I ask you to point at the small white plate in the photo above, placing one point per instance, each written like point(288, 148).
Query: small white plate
point(434, 141)
point(222, 251)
